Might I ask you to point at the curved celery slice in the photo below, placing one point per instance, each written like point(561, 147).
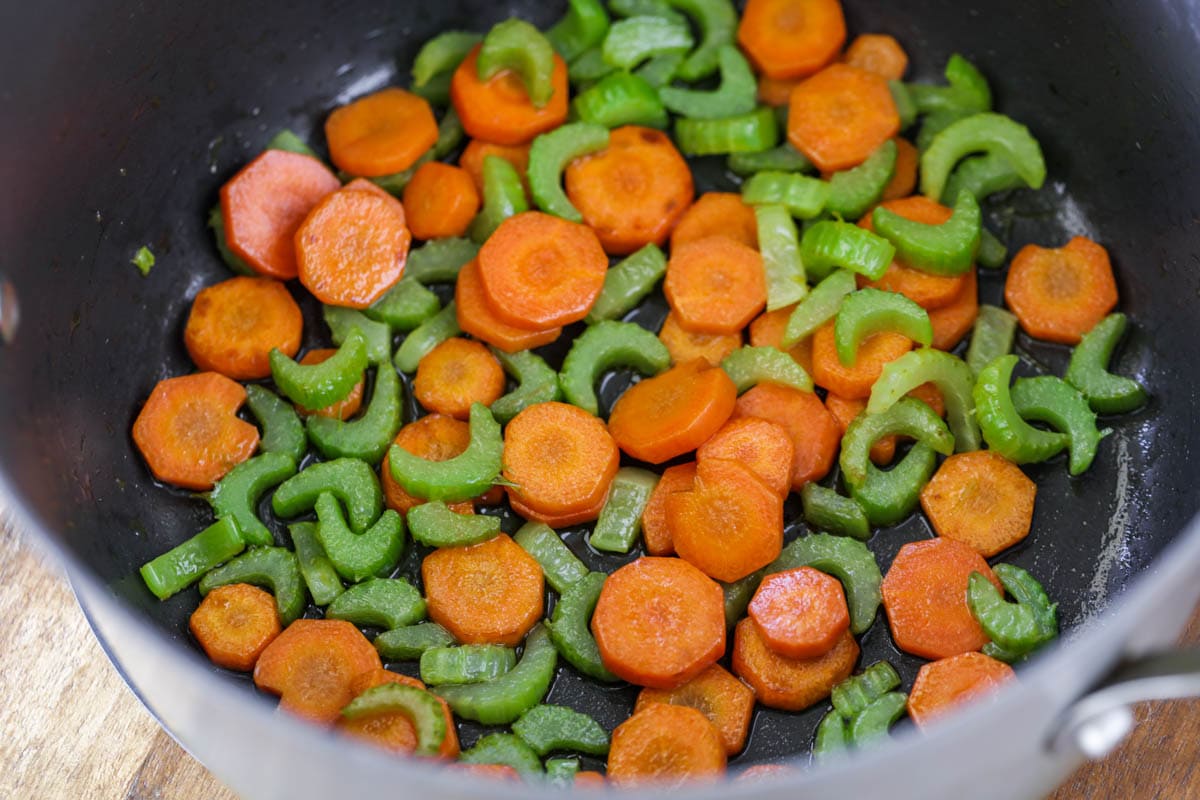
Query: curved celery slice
point(560, 566)
point(570, 626)
point(826, 510)
point(369, 436)
point(386, 603)
point(780, 247)
point(854, 694)
point(580, 29)
point(750, 366)
point(890, 497)
point(946, 249)
point(869, 311)
point(505, 749)
point(821, 305)
point(428, 335)
point(633, 40)
point(350, 480)
point(854, 191)
point(1003, 428)
point(274, 568)
point(547, 728)
point(872, 723)
point(358, 556)
point(504, 699)
point(282, 431)
point(622, 98)
point(967, 90)
point(322, 580)
point(981, 133)
point(468, 663)
point(909, 417)
point(1088, 371)
point(419, 705)
point(439, 260)
point(628, 282)
point(717, 21)
point(320, 385)
point(377, 335)
point(752, 132)
point(435, 525)
point(237, 494)
point(516, 45)
point(463, 477)
point(992, 337)
point(953, 379)
point(549, 156)
point(603, 346)
point(830, 245)
point(407, 304)
point(735, 94)
point(803, 196)
point(620, 520)
point(536, 383)
point(441, 54)
point(1049, 399)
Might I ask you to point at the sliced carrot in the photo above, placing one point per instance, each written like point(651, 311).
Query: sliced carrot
point(980, 499)
point(455, 374)
point(684, 345)
point(189, 432)
point(951, 683)
point(659, 622)
point(499, 109)
point(476, 318)
point(717, 214)
point(265, 202)
point(441, 200)
point(925, 596)
point(672, 413)
point(927, 290)
point(234, 325)
point(343, 409)
point(234, 624)
point(776, 91)
point(800, 613)
point(854, 382)
point(845, 411)
point(488, 593)
point(393, 730)
point(656, 533)
point(435, 437)
point(564, 520)
point(840, 116)
point(815, 433)
point(878, 53)
point(726, 701)
point(665, 745)
point(381, 133)
point(904, 179)
point(729, 524)
point(792, 38)
point(763, 446)
point(767, 330)
point(352, 248)
point(633, 192)
point(715, 285)
point(790, 684)
point(559, 457)
point(539, 271)
point(954, 321)
point(313, 665)
point(477, 150)
point(1059, 295)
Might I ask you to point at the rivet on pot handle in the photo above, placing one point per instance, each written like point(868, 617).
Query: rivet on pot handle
point(9, 313)
point(1097, 723)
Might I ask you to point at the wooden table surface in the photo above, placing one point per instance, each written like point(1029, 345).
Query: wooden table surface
point(71, 729)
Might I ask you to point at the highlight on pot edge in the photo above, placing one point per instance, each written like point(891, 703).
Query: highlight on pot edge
point(551, 196)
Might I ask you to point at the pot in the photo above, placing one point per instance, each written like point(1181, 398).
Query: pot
point(123, 119)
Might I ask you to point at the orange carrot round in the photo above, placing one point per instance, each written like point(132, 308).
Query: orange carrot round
point(381, 133)
point(234, 325)
point(954, 321)
point(791, 38)
point(763, 446)
point(265, 202)
point(815, 433)
point(487, 593)
point(313, 665)
point(1059, 295)
point(441, 200)
point(840, 116)
point(854, 382)
point(800, 613)
point(633, 192)
point(950, 683)
point(435, 437)
point(672, 413)
point(715, 285)
point(878, 53)
point(563, 520)
point(188, 431)
point(499, 110)
point(393, 730)
point(659, 622)
point(477, 150)
point(665, 745)
point(685, 345)
point(476, 318)
point(717, 214)
point(656, 532)
point(726, 701)
point(767, 330)
point(455, 374)
point(343, 409)
point(904, 179)
point(539, 271)
point(790, 684)
point(980, 499)
point(234, 624)
point(776, 92)
point(925, 596)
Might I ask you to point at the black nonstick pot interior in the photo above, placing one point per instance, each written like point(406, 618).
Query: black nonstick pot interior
point(122, 119)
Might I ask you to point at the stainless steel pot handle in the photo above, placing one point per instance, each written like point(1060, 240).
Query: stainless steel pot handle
point(9, 313)
point(1097, 723)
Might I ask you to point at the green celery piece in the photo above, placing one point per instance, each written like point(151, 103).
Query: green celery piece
point(386, 603)
point(237, 494)
point(182, 565)
point(274, 568)
point(620, 521)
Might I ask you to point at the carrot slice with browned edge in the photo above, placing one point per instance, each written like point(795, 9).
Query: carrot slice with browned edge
point(729, 524)
point(672, 413)
point(904, 179)
point(767, 330)
point(343, 409)
point(726, 701)
point(1059, 295)
point(381, 133)
point(441, 200)
point(776, 91)
point(393, 730)
point(665, 745)
point(633, 192)
point(715, 285)
point(352, 248)
point(790, 684)
point(815, 433)
point(265, 202)
point(763, 446)
point(234, 624)
point(659, 622)
point(477, 150)
point(234, 325)
point(313, 666)
point(188, 431)
point(487, 593)
point(840, 116)
point(980, 499)
point(499, 109)
point(434, 437)
point(559, 457)
point(685, 345)
point(950, 683)
point(878, 53)
point(925, 596)
point(656, 533)
point(792, 38)
point(539, 271)
point(455, 374)
point(854, 382)
point(476, 318)
point(954, 321)
point(717, 214)
point(800, 613)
